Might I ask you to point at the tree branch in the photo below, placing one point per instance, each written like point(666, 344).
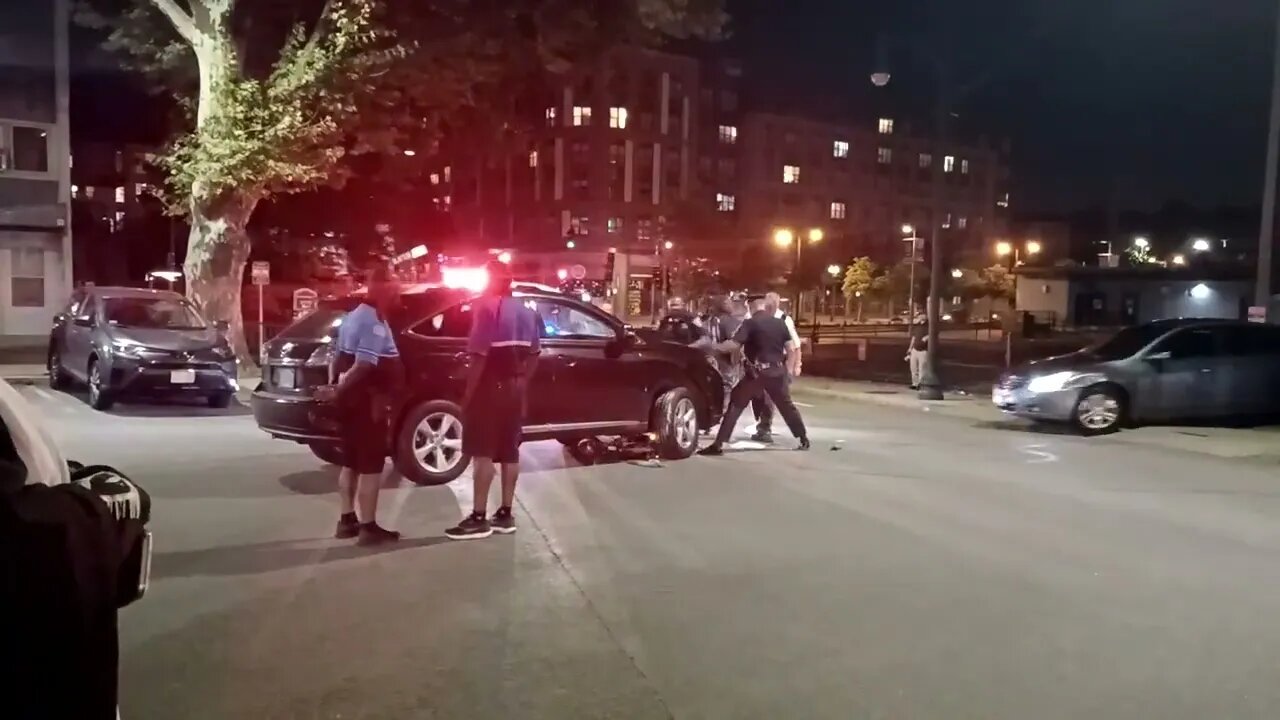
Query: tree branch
point(318, 30)
point(181, 21)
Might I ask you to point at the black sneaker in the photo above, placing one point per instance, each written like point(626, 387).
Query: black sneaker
point(472, 527)
point(503, 522)
point(763, 437)
point(348, 527)
point(375, 534)
point(804, 444)
point(712, 450)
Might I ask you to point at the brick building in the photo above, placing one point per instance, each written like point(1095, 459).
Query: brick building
point(35, 238)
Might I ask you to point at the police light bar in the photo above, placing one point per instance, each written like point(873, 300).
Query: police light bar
point(472, 278)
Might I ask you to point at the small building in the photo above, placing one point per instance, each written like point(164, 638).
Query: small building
point(35, 236)
point(1109, 297)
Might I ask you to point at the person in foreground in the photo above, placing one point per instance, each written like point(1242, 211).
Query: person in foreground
point(770, 352)
point(504, 350)
point(364, 376)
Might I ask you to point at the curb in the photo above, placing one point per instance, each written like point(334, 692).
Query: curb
point(41, 380)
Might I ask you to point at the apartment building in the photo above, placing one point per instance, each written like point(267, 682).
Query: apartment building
point(35, 237)
point(861, 184)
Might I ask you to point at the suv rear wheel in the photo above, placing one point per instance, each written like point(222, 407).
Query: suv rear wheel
point(428, 447)
point(675, 422)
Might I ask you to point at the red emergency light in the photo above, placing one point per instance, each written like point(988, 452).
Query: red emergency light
point(466, 278)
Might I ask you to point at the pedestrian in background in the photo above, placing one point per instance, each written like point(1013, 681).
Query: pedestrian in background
point(365, 378)
point(760, 405)
point(504, 347)
point(917, 346)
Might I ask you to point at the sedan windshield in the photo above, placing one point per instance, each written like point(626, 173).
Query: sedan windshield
point(1127, 342)
point(159, 313)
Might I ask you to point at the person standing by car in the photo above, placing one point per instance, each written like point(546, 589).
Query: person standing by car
point(760, 405)
point(504, 349)
point(722, 325)
point(917, 344)
point(365, 375)
point(772, 354)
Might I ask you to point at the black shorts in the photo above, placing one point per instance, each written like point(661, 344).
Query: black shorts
point(363, 436)
point(494, 421)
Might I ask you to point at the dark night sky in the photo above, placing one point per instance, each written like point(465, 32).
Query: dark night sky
point(1151, 100)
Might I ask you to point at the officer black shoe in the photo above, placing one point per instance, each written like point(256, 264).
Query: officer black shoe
point(763, 437)
point(804, 444)
point(712, 450)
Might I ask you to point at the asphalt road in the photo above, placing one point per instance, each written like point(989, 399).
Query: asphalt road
point(910, 566)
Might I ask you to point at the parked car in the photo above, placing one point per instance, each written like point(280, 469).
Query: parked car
point(1162, 371)
point(594, 378)
point(132, 342)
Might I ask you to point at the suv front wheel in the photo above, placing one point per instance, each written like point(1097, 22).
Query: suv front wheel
point(675, 423)
point(428, 447)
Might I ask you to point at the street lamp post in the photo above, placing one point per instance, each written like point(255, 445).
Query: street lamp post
point(930, 384)
point(784, 238)
point(1014, 254)
point(914, 239)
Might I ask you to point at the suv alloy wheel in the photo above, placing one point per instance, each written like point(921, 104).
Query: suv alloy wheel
point(428, 447)
point(675, 422)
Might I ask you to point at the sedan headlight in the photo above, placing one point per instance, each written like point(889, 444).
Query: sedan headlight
point(1061, 381)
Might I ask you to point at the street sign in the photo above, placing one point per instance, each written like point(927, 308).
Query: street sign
point(261, 272)
point(1257, 313)
point(304, 301)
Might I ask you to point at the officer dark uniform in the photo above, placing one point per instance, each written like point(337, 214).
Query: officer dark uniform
point(764, 338)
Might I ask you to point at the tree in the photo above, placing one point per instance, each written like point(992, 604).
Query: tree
point(280, 97)
point(859, 279)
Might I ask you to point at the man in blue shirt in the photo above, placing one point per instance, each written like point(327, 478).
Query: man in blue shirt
point(504, 350)
point(363, 374)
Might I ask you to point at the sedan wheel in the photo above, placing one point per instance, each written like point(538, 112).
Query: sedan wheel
point(429, 444)
point(1098, 411)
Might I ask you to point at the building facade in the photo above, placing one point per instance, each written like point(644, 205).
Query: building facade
point(1111, 297)
point(35, 237)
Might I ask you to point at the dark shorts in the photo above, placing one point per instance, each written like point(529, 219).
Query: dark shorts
point(494, 421)
point(364, 436)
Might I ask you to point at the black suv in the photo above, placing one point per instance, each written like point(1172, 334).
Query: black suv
point(595, 378)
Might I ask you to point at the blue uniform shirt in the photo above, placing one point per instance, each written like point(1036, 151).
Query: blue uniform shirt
point(505, 331)
point(365, 336)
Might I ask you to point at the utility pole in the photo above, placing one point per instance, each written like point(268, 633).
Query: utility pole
point(1266, 233)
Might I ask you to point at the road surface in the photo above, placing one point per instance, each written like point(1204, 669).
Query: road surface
point(910, 566)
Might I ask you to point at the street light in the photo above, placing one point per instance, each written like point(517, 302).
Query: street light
point(668, 245)
point(1179, 259)
point(816, 235)
point(1200, 245)
point(957, 273)
point(1014, 253)
point(783, 237)
point(1033, 247)
point(504, 257)
point(570, 244)
point(833, 270)
point(1141, 243)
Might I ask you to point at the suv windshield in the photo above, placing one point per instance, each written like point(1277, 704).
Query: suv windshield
point(1127, 342)
point(159, 313)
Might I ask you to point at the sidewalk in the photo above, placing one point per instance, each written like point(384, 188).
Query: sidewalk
point(1261, 444)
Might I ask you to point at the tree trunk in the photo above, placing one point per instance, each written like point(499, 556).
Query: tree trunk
point(217, 251)
point(859, 310)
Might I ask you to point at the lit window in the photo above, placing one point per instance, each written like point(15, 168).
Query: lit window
point(119, 218)
point(447, 200)
point(551, 117)
point(140, 189)
point(884, 156)
point(886, 126)
point(435, 178)
point(964, 167)
point(791, 174)
point(946, 220)
point(728, 134)
point(581, 115)
point(533, 159)
point(962, 222)
point(88, 192)
point(578, 225)
point(119, 164)
point(447, 173)
point(949, 163)
point(618, 118)
point(615, 225)
point(1002, 202)
point(926, 160)
point(837, 211)
point(120, 194)
point(75, 191)
point(840, 149)
point(725, 203)
point(71, 161)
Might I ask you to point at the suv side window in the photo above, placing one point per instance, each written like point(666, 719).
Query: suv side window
point(1190, 343)
point(561, 320)
point(453, 322)
point(1253, 340)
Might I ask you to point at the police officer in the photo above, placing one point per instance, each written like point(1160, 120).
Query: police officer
point(504, 350)
point(770, 350)
point(365, 376)
point(760, 404)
